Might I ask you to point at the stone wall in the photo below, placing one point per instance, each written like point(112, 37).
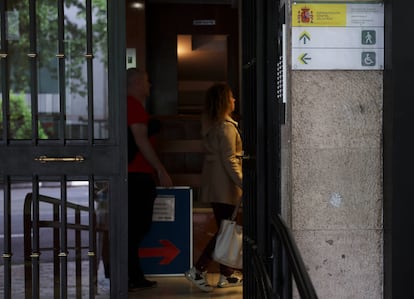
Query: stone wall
point(335, 167)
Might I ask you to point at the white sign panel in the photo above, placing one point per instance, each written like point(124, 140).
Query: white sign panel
point(360, 15)
point(337, 59)
point(337, 36)
point(164, 208)
point(341, 37)
point(131, 58)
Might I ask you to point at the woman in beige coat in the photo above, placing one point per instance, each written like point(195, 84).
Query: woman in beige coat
point(221, 179)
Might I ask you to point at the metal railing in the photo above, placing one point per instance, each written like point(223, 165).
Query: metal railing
point(295, 266)
point(32, 258)
point(261, 276)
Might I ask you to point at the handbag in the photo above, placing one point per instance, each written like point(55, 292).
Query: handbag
point(229, 242)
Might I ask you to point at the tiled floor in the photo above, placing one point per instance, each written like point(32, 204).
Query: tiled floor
point(178, 287)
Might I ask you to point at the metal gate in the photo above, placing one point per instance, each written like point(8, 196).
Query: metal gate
point(262, 110)
point(63, 162)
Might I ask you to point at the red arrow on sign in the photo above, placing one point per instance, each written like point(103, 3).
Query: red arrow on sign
point(168, 252)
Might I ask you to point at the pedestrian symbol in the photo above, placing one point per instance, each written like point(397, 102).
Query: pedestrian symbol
point(368, 59)
point(368, 37)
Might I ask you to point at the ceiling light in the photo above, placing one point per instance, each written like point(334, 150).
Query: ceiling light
point(137, 5)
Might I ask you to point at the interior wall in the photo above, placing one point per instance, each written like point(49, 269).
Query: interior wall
point(136, 32)
point(206, 53)
point(165, 22)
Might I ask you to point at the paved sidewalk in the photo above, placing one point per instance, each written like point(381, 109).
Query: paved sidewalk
point(46, 281)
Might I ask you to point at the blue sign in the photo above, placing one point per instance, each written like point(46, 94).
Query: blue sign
point(168, 248)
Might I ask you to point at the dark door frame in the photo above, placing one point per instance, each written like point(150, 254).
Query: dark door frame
point(119, 205)
point(398, 151)
point(261, 133)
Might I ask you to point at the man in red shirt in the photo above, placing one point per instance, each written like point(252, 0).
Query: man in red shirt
point(143, 172)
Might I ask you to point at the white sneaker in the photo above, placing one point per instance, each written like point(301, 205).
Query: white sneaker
point(198, 279)
point(233, 280)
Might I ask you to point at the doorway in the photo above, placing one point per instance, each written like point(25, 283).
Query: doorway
point(194, 46)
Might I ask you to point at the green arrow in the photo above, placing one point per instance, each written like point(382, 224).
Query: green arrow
point(303, 58)
point(305, 36)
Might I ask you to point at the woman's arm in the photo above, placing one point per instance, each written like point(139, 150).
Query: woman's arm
point(229, 156)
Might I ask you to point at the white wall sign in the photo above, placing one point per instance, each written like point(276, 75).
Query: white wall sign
point(341, 37)
point(131, 58)
point(337, 59)
point(337, 36)
point(164, 208)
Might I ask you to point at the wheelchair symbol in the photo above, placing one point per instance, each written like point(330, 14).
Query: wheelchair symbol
point(368, 58)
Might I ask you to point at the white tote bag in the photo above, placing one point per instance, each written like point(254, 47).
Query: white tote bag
point(229, 243)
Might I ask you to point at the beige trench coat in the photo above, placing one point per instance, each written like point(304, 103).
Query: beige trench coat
point(221, 178)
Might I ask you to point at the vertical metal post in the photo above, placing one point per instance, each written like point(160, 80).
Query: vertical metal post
point(27, 241)
point(4, 71)
point(33, 57)
point(78, 255)
point(89, 66)
point(56, 250)
point(62, 71)
point(35, 255)
point(117, 110)
point(92, 241)
point(249, 100)
point(63, 254)
point(7, 254)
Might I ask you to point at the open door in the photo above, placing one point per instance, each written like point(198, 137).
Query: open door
point(63, 159)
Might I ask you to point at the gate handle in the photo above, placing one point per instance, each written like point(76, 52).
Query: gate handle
point(44, 159)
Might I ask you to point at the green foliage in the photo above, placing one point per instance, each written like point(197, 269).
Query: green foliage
point(73, 45)
point(47, 45)
point(20, 119)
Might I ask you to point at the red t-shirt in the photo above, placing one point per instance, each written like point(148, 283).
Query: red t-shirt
point(137, 114)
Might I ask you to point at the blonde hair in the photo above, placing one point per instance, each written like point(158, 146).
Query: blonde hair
point(217, 102)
